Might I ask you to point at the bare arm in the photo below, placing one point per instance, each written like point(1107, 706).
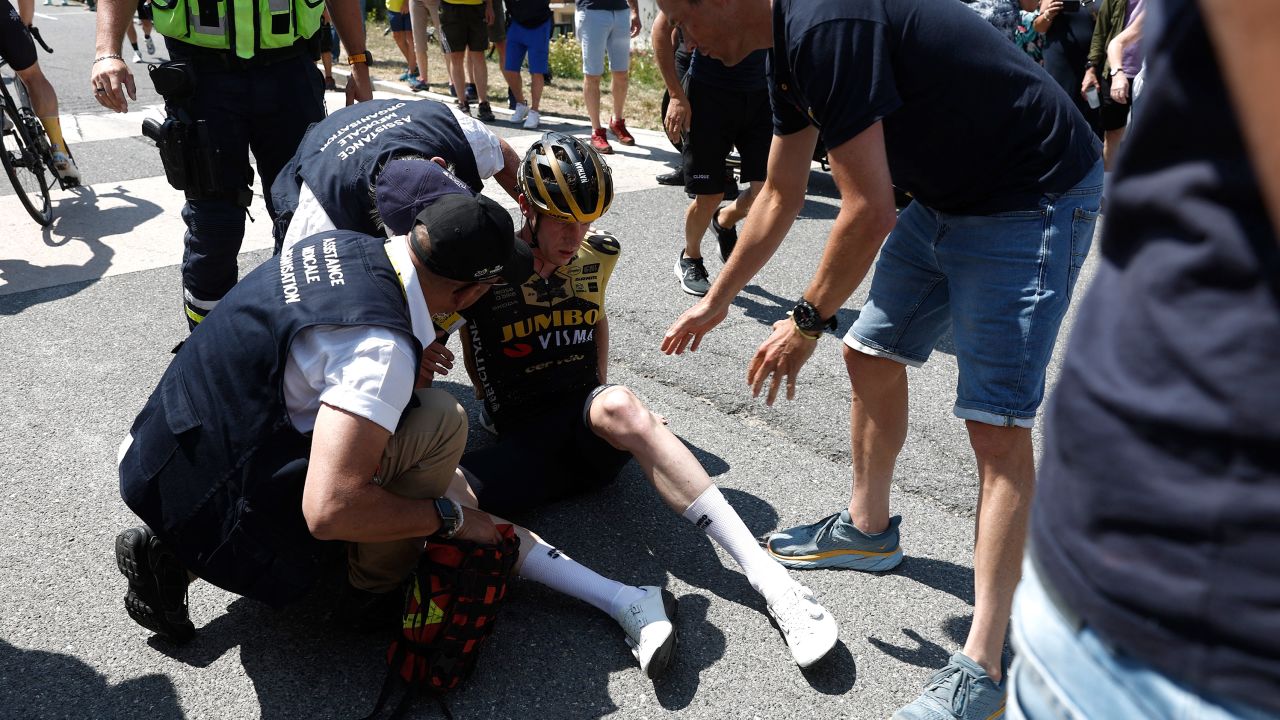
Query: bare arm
point(635, 17)
point(26, 11)
point(506, 177)
point(772, 214)
point(1231, 24)
point(861, 171)
point(112, 75)
point(1131, 34)
point(602, 348)
point(340, 500)
point(679, 113)
point(347, 21)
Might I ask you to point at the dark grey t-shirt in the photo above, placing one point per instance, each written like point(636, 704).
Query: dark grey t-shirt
point(1157, 515)
point(972, 125)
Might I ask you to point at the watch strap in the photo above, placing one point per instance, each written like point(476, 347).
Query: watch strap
point(363, 57)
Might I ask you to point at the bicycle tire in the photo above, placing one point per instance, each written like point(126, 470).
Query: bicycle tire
point(25, 168)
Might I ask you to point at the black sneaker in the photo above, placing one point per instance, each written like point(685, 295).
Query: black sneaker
point(470, 91)
point(484, 112)
point(453, 92)
point(675, 177)
point(693, 275)
point(157, 597)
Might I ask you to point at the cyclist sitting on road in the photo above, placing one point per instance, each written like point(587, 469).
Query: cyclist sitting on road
point(538, 354)
point(17, 48)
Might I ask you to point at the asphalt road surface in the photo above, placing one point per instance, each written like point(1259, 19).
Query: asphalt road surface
point(90, 308)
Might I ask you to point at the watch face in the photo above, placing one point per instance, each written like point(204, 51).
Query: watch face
point(806, 317)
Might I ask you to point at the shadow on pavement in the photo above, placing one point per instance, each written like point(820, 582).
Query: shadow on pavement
point(924, 653)
point(941, 575)
point(53, 282)
point(37, 684)
point(770, 307)
point(78, 216)
point(835, 674)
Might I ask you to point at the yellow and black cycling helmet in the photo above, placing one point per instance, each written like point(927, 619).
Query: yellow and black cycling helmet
point(563, 177)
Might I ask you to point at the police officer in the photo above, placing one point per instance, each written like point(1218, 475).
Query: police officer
point(338, 176)
point(249, 83)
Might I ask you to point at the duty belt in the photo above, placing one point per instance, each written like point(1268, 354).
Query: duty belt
point(226, 60)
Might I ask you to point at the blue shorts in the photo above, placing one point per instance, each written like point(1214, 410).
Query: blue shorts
point(1001, 283)
point(534, 41)
point(399, 21)
point(600, 31)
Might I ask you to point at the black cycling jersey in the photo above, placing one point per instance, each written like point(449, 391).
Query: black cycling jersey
point(534, 343)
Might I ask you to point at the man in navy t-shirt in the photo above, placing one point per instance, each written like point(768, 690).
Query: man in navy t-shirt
point(1006, 176)
point(1152, 587)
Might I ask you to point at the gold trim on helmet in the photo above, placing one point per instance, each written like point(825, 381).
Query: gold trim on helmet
point(542, 197)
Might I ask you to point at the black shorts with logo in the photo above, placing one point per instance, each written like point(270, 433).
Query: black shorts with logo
point(722, 119)
point(16, 45)
point(550, 456)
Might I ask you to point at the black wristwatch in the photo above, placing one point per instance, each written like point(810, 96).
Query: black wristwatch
point(806, 318)
point(451, 517)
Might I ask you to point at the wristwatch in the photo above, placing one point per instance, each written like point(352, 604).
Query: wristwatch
point(1113, 71)
point(451, 517)
point(365, 57)
point(806, 317)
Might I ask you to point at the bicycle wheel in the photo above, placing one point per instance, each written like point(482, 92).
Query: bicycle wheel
point(26, 169)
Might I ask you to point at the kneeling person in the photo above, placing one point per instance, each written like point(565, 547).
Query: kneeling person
point(537, 353)
point(290, 416)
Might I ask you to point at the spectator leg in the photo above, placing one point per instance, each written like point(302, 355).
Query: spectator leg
point(696, 221)
point(619, 92)
point(591, 95)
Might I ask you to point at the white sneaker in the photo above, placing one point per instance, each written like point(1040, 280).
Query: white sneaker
point(650, 633)
point(151, 45)
point(522, 112)
point(136, 57)
point(66, 168)
point(531, 122)
point(809, 629)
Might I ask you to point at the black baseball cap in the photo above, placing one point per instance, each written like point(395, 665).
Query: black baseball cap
point(472, 239)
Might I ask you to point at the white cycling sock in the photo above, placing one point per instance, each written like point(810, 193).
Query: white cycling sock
point(721, 522)
point(548, 566)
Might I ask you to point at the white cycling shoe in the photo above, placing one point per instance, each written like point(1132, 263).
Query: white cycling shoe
point(650, 633)
point(810, 631)
point(66, 168)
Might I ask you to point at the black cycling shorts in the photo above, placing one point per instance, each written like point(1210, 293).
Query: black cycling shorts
point(722, 119)
point(144, 11)
point(548, 457)
point(16, 45)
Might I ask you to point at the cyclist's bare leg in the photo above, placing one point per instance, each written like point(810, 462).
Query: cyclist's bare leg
point(44, 102)
point(621, 419)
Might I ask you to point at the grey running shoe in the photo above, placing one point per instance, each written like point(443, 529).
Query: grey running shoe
point(151, 45)
point(960, 691)
point(726, 237)
point(834, 542)
point(157, 596)
point(693, 275)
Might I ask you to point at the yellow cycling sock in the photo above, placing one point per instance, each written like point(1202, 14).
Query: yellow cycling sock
point(54, 127)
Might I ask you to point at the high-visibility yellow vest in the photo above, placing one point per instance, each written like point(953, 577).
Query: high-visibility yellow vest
point(241, 25)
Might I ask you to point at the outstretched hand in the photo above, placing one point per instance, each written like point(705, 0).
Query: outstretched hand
point(688, 329)
point(779, 357)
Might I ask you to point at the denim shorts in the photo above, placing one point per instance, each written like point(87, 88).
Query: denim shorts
point(1001, 283)
point(1063, 672)
point(600, 31)
point(399, 21)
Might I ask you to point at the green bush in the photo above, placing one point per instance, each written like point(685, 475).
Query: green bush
point(565, 58)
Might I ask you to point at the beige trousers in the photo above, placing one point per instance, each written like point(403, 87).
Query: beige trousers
point(420, 461)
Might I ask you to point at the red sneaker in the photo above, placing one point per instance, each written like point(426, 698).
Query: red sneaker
point(600, 142)
point(619, 128)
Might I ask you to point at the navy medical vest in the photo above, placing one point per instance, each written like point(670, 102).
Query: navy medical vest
point(339, 156)
point(216, 467)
